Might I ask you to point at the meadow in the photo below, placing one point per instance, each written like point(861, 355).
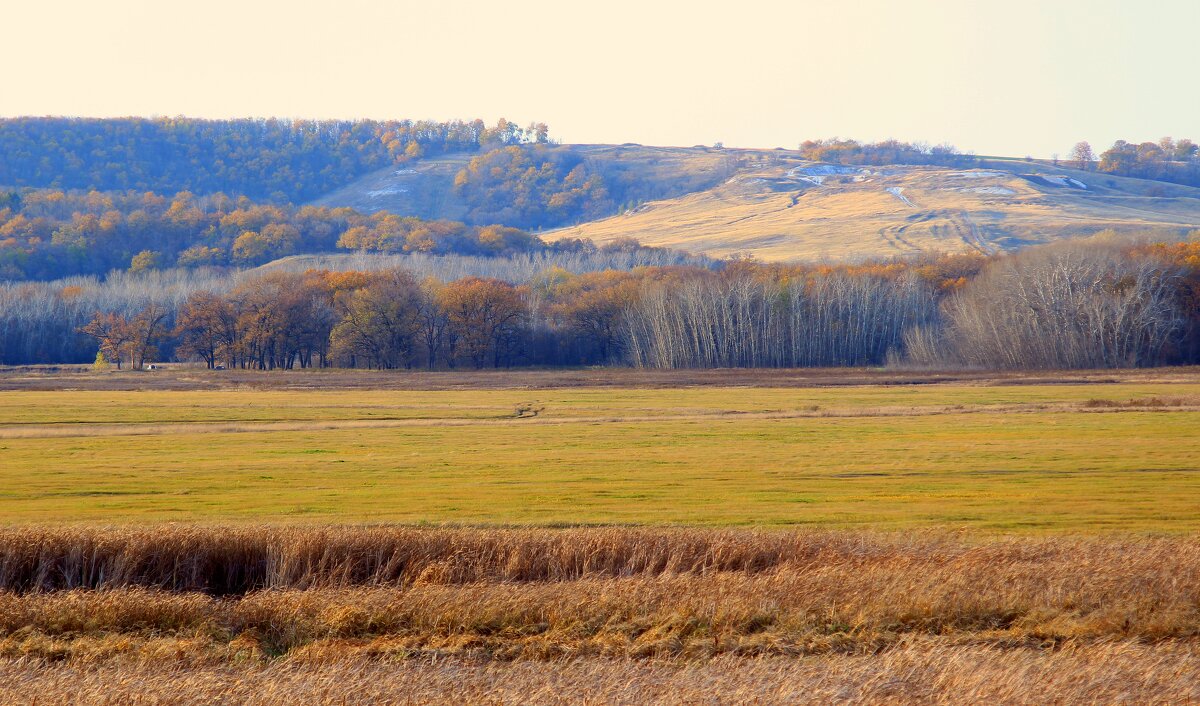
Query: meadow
point(599, 537)
point(1056, 457)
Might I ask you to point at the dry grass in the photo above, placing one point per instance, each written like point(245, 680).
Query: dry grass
point(596, 591)
point(224, 560)
point(1142, 403)
point(240, 559)
point(776, 216)
point(922, 671)
point(402, 615)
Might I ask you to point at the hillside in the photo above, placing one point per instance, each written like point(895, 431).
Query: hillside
point(273, 159)
point(630, 174)
point(86, 196)
point(788, 209)
point(774, 205)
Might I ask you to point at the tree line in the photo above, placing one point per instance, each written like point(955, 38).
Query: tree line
point(52, 233)
point(49, 233)
point(1176, 161)
point(837, 151)
point(40, 321)
point(1069, 305)
point(1169, 160)
point(276, 160)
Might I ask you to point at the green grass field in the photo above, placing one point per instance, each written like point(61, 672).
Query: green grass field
point(984, 458)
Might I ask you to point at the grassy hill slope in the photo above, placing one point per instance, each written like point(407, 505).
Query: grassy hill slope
point(777, 206)
point(789, 210)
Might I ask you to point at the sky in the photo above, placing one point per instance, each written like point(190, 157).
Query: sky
point(1004, 77)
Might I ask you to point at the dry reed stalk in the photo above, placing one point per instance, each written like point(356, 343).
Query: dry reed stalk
point(233, 560)
point(921, 671)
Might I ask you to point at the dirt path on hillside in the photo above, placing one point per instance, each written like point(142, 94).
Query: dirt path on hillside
point(898, 192)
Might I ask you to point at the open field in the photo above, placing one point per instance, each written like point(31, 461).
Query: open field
point(191, 377)
point(967, 454)
point(918, 537)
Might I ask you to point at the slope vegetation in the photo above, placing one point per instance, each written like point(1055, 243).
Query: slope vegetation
point(629, 175)
point(777, 207)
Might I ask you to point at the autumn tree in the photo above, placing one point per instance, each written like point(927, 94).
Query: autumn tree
point(591, 308)
point(284, 320)
point(1066, 306)
point(112, 333)
point(262, 323)
point(122, 338)
point(486, 317)
point(434, 323)
point(207, 327)
point(143, 261)
point(146, 327)
point(277, 159)
point(381, 322)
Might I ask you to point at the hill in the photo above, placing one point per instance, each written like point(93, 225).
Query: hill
point(783, 208)
point(624, 176)
point(85, 196)
point(776, 205)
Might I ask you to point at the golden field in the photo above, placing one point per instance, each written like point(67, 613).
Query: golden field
point(770, 537)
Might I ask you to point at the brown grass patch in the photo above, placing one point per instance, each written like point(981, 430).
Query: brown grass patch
point(924, 671)
point(1142, 403)
point(181, 614)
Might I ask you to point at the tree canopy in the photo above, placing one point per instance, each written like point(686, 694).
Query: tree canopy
point(49, 233)
point(273, 159)
point(1175, 161)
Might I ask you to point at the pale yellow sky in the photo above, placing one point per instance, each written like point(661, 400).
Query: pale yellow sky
point(1002, 77)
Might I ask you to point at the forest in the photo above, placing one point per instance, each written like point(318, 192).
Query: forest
point(1067, 305)
point(275, 160)
point(88, 197)
point(532, 187)
point(538, 185)
point(49, 233)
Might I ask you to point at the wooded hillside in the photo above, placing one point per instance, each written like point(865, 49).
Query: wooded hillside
point(282, 161)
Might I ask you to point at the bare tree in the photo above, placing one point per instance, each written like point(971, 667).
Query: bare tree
point(1067, 306)
point(1082, 155)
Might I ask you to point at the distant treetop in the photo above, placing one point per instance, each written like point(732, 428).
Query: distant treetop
point(267, 159)
point(880, 153)
point(1175, 161)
